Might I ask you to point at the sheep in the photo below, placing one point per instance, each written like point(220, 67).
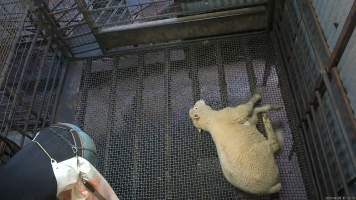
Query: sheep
point(246, 156)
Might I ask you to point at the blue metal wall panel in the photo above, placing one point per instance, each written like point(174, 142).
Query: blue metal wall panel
point(347, 68)
point(332, 15)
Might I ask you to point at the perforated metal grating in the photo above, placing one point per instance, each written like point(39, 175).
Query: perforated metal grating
point(135, 106)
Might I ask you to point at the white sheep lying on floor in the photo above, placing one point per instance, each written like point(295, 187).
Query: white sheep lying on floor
point(246, 156)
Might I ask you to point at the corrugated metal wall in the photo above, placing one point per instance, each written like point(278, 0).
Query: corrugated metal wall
point(332, 15)
point(347, 69)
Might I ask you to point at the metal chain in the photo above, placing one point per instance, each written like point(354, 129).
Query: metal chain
point(44, 150)
point(73, 146)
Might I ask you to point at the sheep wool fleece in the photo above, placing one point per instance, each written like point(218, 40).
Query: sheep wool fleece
point(246, 156)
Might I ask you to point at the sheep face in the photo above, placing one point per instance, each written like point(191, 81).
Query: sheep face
point(199, 115)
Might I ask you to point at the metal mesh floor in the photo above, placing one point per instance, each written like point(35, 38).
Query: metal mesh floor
point(135, 105)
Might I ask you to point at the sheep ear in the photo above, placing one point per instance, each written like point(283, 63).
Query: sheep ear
point(196, 116)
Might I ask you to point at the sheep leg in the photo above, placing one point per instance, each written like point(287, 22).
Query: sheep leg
point(243, 112)
point(271, 135)
point(262, 109)
point(253, 100)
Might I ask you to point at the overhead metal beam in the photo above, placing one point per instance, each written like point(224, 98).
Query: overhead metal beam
point(344, 37)
point(189, 27)
point(42, 18)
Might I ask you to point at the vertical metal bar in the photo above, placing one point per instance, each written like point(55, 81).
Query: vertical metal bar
point(12, 51)
point(54, 81)
point(310, 160)
point(271, 8)
point(10, 92)
point(139, 124)
point(53, 65)
point(193, 73)
point(9, 30)
point(336, 77)
point(84, 92)
point(20, 82)
point(221, 74)
point(328, 168)
point(103, 11)
point(301, 81)
point(339, 118)
point(249, 67)
point(111, 120)
point(34, 93)
point(167, 136)
point(59, 91)
point(313, 148)
point(289, 74)
point(333, 148)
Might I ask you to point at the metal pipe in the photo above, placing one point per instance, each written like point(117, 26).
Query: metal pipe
point(21, 57)
point(319, 165)
point(344, 37)
point(34, 93)
point(50, 95)
point(270, 13)
point(193, 73)
point(101, 13)
point(83, 44)
point(53, 65)
point(151, 47)
point(251, 76)
point(313, 170)
point(114, 12)
point(59, 91)
point(20, 82)
point(339, 118)
point(289, 74)
point(328, 168)
point(80, 23)
point(79, 35)
point(179, 20)
point(86, 50)
point(84, 91)
point(28, 83)
point(338, 163)
point(20, 101)
point(12, 51)
point(336, 77)
point(88, 18)
point(221, 75)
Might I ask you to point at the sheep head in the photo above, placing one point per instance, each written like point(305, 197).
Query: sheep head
point(199, 115)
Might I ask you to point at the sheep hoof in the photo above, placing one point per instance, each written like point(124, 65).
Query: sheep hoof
point(276, 108)
point(258, 91)
point(275, 188)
